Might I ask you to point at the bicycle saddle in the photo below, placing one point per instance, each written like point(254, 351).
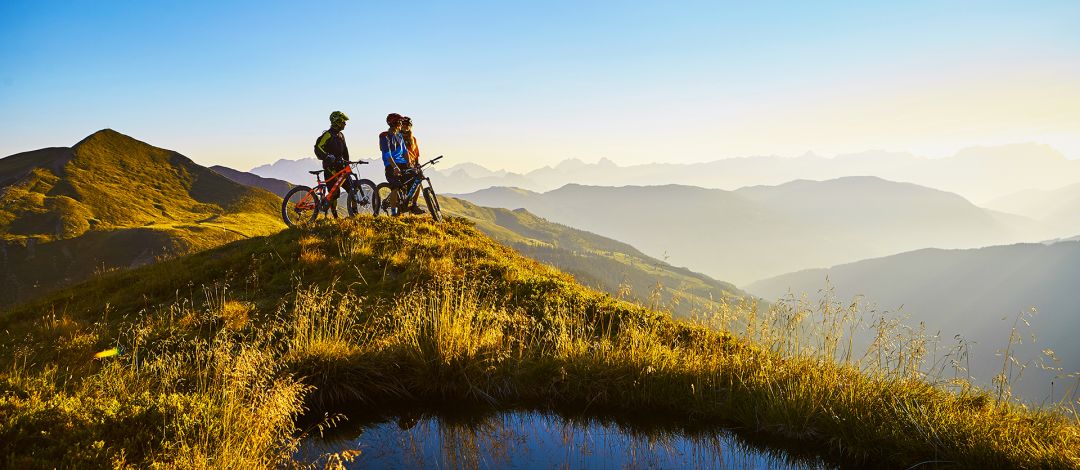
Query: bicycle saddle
point(315, 172)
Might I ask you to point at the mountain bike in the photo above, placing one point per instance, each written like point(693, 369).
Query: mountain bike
point(393, 201)
point(303, 204)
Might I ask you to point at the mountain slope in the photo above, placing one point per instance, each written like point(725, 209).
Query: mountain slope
point(598, 262)
point(968, 293)
point(112, 202)
point(763, 231)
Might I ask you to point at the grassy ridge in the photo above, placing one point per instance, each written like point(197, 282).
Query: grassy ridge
point(224, 349)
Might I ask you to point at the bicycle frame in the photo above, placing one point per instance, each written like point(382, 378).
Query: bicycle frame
point(338, 178)
point(415, 183)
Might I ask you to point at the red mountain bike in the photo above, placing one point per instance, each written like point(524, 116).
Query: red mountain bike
point(303, 204)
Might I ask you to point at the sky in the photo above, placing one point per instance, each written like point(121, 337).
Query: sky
point(519, 85)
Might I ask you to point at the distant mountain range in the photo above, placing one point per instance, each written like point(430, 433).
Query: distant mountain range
point(975, 293)
point(113, 202)
point(1057, 208)
point(762, 231)
point(979, 174)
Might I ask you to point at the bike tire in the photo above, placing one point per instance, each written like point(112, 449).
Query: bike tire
point(387, 199)
point(300, 206)
point(363, 200)
point(432, 202)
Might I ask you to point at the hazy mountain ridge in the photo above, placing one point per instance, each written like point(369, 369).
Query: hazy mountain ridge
point(1057, 208)
point(113, 202)
point(978, 173)
point(276, 186)
point(758, 232)
point(599, 262)
point(968, 292)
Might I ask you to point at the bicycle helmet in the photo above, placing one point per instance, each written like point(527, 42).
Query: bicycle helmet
point(338, 116)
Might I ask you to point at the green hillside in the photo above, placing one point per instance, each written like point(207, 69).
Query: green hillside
point(223, 351)
point(599, 262)
point(113, 202)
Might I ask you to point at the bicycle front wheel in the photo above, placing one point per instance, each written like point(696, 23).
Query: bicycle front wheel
point(363, 199)
point(432, 202)
point(300, 206)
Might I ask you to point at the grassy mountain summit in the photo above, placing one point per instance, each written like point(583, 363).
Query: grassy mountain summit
point(373, 312)
point(599, 262)
point(111, 202)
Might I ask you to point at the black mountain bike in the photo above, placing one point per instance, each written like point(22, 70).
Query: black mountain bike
point(302, 204)
point(395, 201)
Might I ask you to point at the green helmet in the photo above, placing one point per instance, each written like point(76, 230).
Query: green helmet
point(338, 116)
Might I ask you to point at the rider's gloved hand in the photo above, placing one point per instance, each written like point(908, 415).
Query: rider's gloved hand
point(331, 160)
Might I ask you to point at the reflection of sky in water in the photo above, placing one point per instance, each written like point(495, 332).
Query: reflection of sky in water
point(535, 440)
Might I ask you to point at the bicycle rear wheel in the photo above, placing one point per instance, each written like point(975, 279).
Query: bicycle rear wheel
point(300, 206)
point(432, 202)
point(363, 199)
point(387, 199)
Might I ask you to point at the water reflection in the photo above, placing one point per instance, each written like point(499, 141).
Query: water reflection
point(537, 440)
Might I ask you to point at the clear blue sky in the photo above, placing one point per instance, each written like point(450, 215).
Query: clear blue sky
point(522, 84)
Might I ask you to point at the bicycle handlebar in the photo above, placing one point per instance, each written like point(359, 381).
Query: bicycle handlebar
point(432, 161)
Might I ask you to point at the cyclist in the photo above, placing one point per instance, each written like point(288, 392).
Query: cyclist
point(413, 149)
point(332, 151)
point(394, 153)
point(410, 141)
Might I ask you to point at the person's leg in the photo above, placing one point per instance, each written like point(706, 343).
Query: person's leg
point(334, 195)
point(395, 185)
point(411, 203)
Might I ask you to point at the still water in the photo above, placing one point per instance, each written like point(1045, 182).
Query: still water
point(537, 440)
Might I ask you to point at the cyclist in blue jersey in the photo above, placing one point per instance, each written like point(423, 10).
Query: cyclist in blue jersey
point(395, 154)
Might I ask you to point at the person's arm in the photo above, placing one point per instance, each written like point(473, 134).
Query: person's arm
point(344, 149)
point(416, 152)
point(320, 145)
point(384, 147)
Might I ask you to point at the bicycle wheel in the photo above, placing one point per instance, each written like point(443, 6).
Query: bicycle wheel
point(432, 202)
point(387, 199)
point(363, 199)
point(300, 206)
